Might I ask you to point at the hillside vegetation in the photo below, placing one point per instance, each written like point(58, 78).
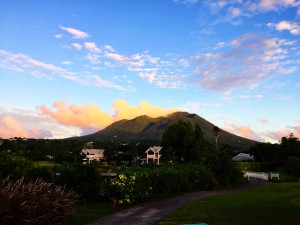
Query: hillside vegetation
point(151, 129)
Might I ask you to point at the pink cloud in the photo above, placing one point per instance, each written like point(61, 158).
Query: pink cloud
point(77, 46)
point(90, 116)
point(91, 46)
point(264, 120)
point(292, 27)
point(9, 128)
point(77, 34)
point(243, 131)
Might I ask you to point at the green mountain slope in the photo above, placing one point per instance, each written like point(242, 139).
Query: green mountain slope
point(147, 128)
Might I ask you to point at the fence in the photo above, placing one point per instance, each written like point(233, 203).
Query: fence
point(260, 175)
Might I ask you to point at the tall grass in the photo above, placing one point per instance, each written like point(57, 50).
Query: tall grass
point(35, 202)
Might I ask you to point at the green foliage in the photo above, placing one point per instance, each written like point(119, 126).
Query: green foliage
point(38, 149)
point(289, 146)
point(265, 152)
point(258, 166)
point(86, 180)
point(216, 133)
point(14, 166)
point(140, 183)
point(292, 166)
point(35, 202)
point(130, 187)
point(225, 170)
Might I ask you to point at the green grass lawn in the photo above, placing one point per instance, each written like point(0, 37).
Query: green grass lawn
point(270, 204)
point(45, 164)
point(86, 213)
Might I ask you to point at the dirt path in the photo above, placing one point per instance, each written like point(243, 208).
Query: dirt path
point(149, 212)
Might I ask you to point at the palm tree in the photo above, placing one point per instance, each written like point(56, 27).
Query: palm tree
point(217, 132)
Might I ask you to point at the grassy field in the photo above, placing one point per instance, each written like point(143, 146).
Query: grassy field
point(270, 204)
point(86, 213)
point(45, 164)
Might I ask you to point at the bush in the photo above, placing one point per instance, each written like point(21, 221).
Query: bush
point(38, 172)
point(258, 166)
point(140, 183)
point(35, 202)
point(292, 166)
point(85, 180)
point(14, 166)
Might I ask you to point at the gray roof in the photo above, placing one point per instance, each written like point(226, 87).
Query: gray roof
point(154, 149)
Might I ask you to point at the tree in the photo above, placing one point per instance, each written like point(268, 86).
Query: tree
point(216, 132)
point(183, 142)
point(265, 152)
point(176, 141)
point(289, 146)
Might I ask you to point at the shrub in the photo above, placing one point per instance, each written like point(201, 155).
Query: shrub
point(140, 183)
point(130, 187)
point(86, 180)
point(14, 166)
point(35, 202)
point(292, 166)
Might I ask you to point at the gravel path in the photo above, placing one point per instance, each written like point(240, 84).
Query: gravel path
point(149, 212)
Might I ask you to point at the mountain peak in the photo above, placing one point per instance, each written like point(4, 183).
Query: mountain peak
point(148, 128)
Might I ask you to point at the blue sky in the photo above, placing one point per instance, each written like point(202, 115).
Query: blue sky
point(70, 68)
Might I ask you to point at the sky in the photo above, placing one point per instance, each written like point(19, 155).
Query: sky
point(73, 67)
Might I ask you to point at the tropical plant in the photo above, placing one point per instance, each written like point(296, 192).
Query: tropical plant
point(216, 132)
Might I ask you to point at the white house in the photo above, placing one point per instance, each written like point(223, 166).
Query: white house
point(153, 154)
point(93, 154)
point(243, 157)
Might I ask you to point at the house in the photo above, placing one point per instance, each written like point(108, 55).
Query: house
point(153, 154)
point(243, 157)
point(93, 154)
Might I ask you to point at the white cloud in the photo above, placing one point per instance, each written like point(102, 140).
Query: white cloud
point(77, 46)
point(229, 11)
point(41, 69)
point(66, 62)
point(109, 48)
point(91, 46)
point(269, 5)
point(234, 12)
point(77, 34)
point(24, 62)
point(186, 2)
point(249, 59)
point(59, 36)
point(95, 80)
point(115, 56)
point(184, 62)
point(292, 27)
point(93, 58)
